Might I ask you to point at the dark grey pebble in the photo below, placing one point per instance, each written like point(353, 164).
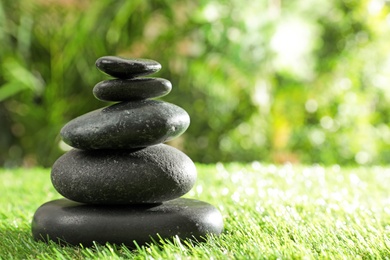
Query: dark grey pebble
point(126, 68)
point(126, 125)
point(131, 89)
point(68, 222)
point(153, 174)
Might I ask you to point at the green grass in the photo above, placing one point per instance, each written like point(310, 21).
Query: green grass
point(269, 211)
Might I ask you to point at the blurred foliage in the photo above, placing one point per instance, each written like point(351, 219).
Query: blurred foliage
point(300, 81)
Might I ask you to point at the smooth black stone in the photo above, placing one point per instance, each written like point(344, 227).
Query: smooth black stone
point(131, 89)
point(69, 222)
point(153, 174)
point(126, 68)
point(126, 125)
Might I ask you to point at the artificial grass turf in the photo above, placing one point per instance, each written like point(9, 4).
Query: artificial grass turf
point(269, 211)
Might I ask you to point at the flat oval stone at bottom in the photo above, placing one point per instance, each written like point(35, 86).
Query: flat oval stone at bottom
point(68, 222)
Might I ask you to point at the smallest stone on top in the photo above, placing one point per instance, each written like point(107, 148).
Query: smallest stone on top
point(129, 86)
point(127, 68)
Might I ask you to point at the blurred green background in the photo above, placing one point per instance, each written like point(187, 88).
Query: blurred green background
point(302, 81)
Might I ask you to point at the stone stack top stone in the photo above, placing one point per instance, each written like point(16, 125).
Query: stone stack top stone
point(126, 68)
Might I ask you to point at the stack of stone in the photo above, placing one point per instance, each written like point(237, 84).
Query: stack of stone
point(120, 183)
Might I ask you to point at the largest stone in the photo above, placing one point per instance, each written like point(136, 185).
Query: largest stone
point(153, 174)
point(70, 222)
point(126, 125)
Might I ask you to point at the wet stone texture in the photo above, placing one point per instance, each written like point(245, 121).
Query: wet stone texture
point(121, 183)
